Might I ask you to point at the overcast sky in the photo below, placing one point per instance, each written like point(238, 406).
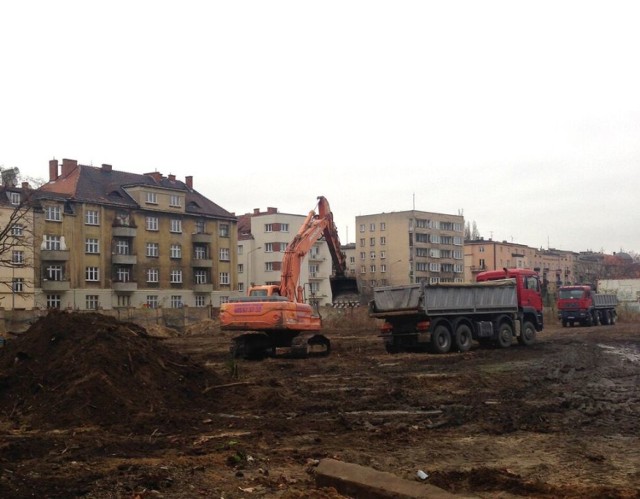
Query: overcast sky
point(525, 116)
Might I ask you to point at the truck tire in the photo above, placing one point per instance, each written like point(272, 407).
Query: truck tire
point(527, 334)
point(564, 323)
point(605, 320)
point(613, 317)
point(463, 338)
point(505, 335)
point(441, 339)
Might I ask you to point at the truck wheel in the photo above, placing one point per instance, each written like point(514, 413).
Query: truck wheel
point(505, 335)
point(606, 318)
point(614, 317)
point(527, 334)
point(463, 338)
point(441, 339)
point(564, 323)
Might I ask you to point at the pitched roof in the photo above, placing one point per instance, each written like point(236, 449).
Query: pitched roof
point(91, 184)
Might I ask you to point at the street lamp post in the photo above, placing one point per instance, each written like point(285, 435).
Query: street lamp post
point(249, 266)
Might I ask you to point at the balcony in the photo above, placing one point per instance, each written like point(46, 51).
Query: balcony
point(124, 286)
point(124, 259)
point(54, 255)
point(315, 276)
point(202, 262)
point(51, 285)
point(123, 231)
point(202, 288)
point(201, 238)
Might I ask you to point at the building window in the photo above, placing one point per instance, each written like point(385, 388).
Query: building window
point(91, 217)
point(372, 227)
point(363, 269)
point(176, 225)
point(362, 241)
point(224, 254)
point(372, 241)
point(200, 277)
point(240, 249)
point(17, 257)
point(268, 247)
point(153, 275)
point(53, 301)
point(372, 268)
point(17, 230)
point(17, 285)
point(153, 250)
point(383, 268)
point(201, 301)
point(176, 276)
point(123, 274)
point(151, 223)
point(268, 227)
point(53, 213)
point(92, 274)
point(14, 198)
point(124, 301)
point(224, 230)
point(92, 245)
point(383, 255)
point(241, 287)
point(53, 273)
point(175, 201)
point(176, 301)
point(434, 267)
point(224, 278)
point(240, 268)
point(152, 301)
point(176, 251)
point(372, 255)
point(52, 243)
point(200, 227)
point(152, 198)
point(383, 226)
point(457, 240)
point(313, 269)
point(362, 227)
point(200, 252)
point(123, 247)
point(268, 267)
point(383, 241)
point(91, 302)
point(284, 227)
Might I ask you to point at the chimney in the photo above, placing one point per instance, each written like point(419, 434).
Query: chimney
point(53, 169)
point(189, 181)
point(172, 177)
point(106, 168)
point(68, 165)
point(157, 176)
point(256, 211)
point(25, 185)
point(271, 210)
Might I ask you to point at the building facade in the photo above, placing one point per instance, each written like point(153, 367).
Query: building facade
point(17, 290)
point(263, 237)
point(408, 247)
point(107, 239)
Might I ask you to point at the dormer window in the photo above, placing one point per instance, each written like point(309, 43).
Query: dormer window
point(152, 198)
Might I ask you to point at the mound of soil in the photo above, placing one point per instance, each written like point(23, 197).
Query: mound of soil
point(83, 369)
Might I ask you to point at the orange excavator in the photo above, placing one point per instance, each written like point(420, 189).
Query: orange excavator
point(276, 316)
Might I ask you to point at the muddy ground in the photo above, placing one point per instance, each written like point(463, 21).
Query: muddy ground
point(94, 408)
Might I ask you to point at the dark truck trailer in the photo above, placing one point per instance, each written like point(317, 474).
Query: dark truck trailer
point(444, 316)
point(580, 304)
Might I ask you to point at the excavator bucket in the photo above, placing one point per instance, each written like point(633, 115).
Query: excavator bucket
point(345, 292)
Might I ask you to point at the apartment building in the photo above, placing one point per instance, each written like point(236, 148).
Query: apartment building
point(16, 244)
point(557, 267)
point(107, 238)
point(263, 237)
point(408, 247)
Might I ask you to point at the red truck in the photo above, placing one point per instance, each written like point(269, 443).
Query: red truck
point(500, 306)
point(581, 304)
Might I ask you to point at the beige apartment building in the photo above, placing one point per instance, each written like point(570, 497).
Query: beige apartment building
point(407, 247)
point(263, 237)
point(16, 245)
point(557, 267)
point(107, 239)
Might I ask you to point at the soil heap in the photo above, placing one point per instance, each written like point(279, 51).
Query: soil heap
point(84, 369)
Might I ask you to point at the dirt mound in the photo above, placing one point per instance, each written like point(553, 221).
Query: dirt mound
point(77, 369)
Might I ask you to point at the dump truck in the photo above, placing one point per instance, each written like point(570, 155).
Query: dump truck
point(500, 306)
point(580, 304)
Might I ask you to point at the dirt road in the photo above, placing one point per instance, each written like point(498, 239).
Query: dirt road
point(560, 418)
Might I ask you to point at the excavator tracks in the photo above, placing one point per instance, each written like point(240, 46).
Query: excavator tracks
point(257, 346)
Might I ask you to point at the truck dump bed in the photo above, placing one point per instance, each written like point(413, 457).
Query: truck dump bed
point(443, 299)
point(604, 301)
